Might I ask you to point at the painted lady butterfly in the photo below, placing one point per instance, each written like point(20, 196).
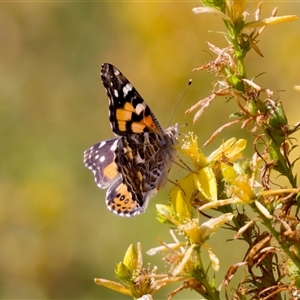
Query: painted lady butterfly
point(133, 166)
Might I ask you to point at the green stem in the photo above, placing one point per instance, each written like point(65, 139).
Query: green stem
point(281, 162)
point(201, 276)
point(233, 36)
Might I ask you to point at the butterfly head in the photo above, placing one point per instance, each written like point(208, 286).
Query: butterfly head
point(173, 133)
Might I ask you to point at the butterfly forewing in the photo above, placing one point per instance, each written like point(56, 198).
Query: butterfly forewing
point(128, 112)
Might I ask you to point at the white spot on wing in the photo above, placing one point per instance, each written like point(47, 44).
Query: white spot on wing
point(102, 144)
point(117, 72)
point(127, 88)
point(114, 146)
point(139, 108)
point(102, 158)
point(116, 93)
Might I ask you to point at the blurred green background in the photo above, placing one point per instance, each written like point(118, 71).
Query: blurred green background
point(56, 234)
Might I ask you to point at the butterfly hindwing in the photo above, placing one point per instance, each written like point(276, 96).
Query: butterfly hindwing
point(120, 200)
point(100, 158)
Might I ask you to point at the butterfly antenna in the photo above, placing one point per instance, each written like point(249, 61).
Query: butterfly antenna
point(176, 108)
point(176, 184)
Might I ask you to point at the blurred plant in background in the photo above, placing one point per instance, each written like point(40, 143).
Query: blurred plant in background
point(242, 192)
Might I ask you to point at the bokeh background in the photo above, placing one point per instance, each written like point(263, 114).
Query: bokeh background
point(56, 234)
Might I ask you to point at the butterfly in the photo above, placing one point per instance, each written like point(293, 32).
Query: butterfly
point(135, 164)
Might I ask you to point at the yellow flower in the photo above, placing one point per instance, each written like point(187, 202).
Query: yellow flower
point(134, 280)
point(191, 150)
point(200, 186)
point(236, 9)
point(198, 234)
point(271, 21)
point(183, 258)
point(231, 149)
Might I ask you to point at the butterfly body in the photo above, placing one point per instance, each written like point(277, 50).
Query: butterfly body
point(135, 164)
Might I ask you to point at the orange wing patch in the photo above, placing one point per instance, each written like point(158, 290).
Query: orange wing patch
point(123, 114)
point(111, 170)
point(149, 122)
point(129, 107)
point(123, 202)
point(138, 127)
